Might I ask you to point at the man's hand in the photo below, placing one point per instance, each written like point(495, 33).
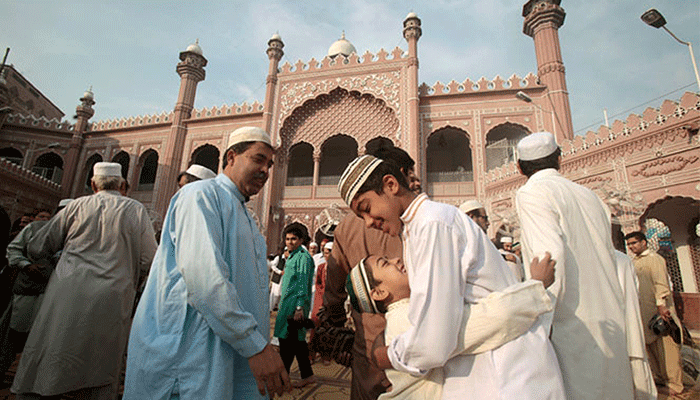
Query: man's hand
point(543, 270)
point(269, 372)
point(298, 315)
point(664, 312)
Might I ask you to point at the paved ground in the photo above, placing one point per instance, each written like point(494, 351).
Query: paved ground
point(333, 383)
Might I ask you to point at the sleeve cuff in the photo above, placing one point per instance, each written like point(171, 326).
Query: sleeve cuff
point(23, 263)
point(398, 365)
point(251, 345)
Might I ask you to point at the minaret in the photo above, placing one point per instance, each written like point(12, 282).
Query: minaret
point(273, 189)
point(191, 71)
point(83, 113)
point(543, 18)
point(412, 32)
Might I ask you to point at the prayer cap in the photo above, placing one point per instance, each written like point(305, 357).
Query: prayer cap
point(356, 175)
point(64, 202)
point(506, 239)
point(536, 145)
point(313, 244)
point(328, 246)
point(470, 205)
point(249, 134)
point(200, 172)
point(357, 286)
point(107, 169)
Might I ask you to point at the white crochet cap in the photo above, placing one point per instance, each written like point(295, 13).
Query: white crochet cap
point(328, 245)
point(470, 205)
point(536, 145)
point(249, 134)
point(200, 172)
point(107, 169)
point(506, 239)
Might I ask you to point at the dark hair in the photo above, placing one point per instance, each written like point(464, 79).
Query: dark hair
point(397, 155)
point(238, 148)
point(375, 180)
point(298, 230)
point(636, 235)
point(532, 166)
point(190, 178)
point(41, 210)
point(374, 282)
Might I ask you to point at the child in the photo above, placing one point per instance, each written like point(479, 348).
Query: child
point(294, 304)
point(450, 263)
point(495, 320)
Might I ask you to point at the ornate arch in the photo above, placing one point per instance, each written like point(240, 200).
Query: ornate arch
point(385, 86)
point(445, 126)
point(360, 116)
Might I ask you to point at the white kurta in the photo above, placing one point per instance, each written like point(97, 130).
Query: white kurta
point(79, 335)
point(644, 387)
point(495, 320)
point(588, 331)
point(451, 262)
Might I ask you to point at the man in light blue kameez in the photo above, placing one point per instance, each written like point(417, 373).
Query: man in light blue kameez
point(201, 328)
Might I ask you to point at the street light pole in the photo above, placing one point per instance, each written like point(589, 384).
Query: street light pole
point(520, 95)
point(653, 17)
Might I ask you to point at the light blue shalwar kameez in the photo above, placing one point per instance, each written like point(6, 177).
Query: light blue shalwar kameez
point(204, 309)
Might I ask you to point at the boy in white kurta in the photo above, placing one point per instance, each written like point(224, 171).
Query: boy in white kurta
point(450, 263)
point(497, 319)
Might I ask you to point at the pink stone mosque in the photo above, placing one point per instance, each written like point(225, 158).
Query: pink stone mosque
point(323, 113)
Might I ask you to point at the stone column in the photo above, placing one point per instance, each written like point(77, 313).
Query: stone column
point(191, 71)
point(412, 32)
point(271, 193)
point(317, 168)
point(83, 113)
point(543, 18)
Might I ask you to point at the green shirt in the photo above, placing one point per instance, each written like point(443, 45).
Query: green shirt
point(296, 290)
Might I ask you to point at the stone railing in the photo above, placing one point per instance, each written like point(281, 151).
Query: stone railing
point(226, 110)
point(25, 175)
point(42, 123)
point(480, 86)
point(131, 122)
point(340, 61)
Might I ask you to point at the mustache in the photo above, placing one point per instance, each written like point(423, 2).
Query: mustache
point(260, 175)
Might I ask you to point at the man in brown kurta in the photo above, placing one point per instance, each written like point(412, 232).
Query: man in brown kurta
point(353, 242)
point(655, 298)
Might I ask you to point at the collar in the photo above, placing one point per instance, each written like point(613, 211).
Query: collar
point(226, 182)
point(543, 173)
point(397, 304)
point(412, 208)
point(645, 252)
point(298, 249)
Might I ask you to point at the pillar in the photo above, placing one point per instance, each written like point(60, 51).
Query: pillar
point(191, 71)
point(412, 32)
point(543, 18)
point(83, 113)
point(268, 199)
point(317, 168)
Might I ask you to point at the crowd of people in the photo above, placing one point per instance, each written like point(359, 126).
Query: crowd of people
point(438, 309)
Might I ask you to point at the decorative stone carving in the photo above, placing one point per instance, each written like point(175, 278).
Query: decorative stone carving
point(664, 166)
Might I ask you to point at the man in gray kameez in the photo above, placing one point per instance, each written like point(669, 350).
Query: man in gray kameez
point(78, 338)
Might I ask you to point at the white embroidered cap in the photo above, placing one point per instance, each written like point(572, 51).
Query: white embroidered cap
point(470, 205)
point(536, 145)
point(506, 239)
point(328, 245)
point(200, 172)
point(355, 176)
point(249, 134)
point(107, 169)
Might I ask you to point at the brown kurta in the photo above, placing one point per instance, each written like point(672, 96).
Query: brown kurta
point(664, 353)
point(353, 242)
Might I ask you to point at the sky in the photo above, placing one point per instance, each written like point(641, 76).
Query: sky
point(127, 50)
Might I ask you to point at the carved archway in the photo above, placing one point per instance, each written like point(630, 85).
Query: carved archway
point(501, 141)
point(360, 116)
point(12, 155)
point(300, 165)
point(89, 164)
point(449, 156)
point(123, 159)
point(206, 155)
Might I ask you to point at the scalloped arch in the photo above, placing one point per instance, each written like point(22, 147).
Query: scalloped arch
point(360, 116)
point(448, 126)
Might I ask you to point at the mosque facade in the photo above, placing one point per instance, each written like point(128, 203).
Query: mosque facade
point(323, 113)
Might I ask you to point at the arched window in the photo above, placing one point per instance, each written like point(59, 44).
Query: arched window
point(12, 155)
point(207, 156)
point(300, 167)
point(50, 166)
point(500, 144)
point(149, 169)
point(449, 158)
point(377, 143)
point(89, 164)
point(336, 153)
point(123, 158)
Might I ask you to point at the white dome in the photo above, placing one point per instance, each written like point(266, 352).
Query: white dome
point(88, 94)
point(276, 36)
point(411, 15)
point(194, 48)
point(341, 46)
